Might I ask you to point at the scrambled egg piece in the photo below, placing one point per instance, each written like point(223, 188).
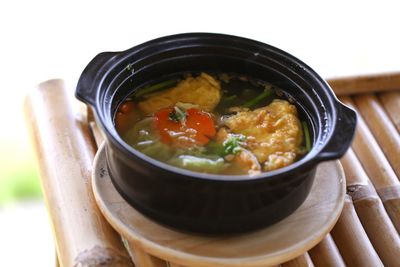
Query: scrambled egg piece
point(203, 91)
point(245, 159)
point(248, 162)
point(274, 133)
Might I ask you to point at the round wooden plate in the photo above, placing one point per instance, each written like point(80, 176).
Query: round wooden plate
point(275, 244)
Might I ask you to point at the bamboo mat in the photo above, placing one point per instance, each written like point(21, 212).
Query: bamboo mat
point(366, 234)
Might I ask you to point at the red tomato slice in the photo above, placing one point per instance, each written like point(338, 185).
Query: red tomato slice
point(198, 126)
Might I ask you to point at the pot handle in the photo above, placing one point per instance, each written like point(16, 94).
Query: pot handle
point(86, 89)
point(342, 138)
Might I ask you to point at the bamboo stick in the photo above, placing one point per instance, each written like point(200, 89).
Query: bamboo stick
point(380, 230)
point(391, 103)
point(351, 239)
point(65, 151)
point(371, 156)
point(390, 197)
point(371, 211)
point(303, 260)
point(97, 135)
point(365, 84)
point(381, 127)
point(378, 169)
point(326, 254)
point(88, 112)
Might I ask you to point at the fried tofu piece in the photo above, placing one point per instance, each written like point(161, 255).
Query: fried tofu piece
point(247, 161)
point(202, 91)
point(274, 133)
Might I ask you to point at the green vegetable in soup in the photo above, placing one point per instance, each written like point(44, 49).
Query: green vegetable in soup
point(142, 138)
point(260, 98)
point(231, 146)
point(178, 115)
point(141, 131)
point(155, 149)
point(306, 135)
point(215, 148)
point(156, 87)
point(199, 164)
point(226, 102)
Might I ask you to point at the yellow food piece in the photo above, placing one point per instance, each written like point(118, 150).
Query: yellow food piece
point(247, 161)
point(203, 91)
point(274, 133)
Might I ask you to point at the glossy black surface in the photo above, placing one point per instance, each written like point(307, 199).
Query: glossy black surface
point(203, 202)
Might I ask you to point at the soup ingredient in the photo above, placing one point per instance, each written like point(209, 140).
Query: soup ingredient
point(203, 91)
point(177, 115)
point(156, 87)
point(200, 164)
point(264, 95)
point(127, 107)
point(231, 147)
point(273, 133)
point(234, 127)
point(184, 128)
point(306, 135)
point(247, 162)
point(142, 137)
point(232, 144)
point(126, 115)
point(155, 149)
point(228, 101)
point(228, 144)
point(141, 131)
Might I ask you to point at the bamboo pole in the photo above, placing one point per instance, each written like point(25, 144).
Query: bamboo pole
point(390, 197)
point(371, 156)
point(326, 254)
point(65, 151)
point(378, 169)
point(365, 84)
point(391, 103)
point(371, 211)
point(381, 127)
point(351, 239)
point(355, 174)
point(97, 135)
point(303, 260)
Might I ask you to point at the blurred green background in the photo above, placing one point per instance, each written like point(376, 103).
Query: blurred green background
point(19, 182)
point(19, 178)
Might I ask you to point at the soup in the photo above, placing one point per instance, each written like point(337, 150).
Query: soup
point(214, 123)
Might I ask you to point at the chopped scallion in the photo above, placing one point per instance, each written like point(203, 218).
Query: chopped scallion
point(306, 136)
point(155, 87)
point(232, 144)
point(178, 115)
point(252, 102)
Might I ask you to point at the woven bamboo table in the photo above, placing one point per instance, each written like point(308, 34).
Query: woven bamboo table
point(366, 233)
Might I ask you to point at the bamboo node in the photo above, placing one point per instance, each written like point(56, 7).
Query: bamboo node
point(100, 256)
point(359, 192)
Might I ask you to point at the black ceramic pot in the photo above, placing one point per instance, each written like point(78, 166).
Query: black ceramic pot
point(205, 202)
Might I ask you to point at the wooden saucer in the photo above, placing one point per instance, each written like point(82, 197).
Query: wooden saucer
point(275, 244)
